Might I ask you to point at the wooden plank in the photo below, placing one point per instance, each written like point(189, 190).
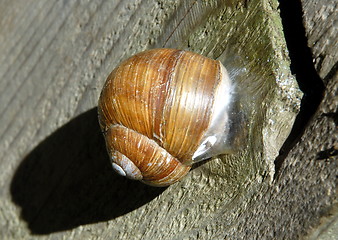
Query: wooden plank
point(56, 180)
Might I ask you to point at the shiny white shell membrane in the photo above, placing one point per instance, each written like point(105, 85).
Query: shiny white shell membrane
point(216, 139)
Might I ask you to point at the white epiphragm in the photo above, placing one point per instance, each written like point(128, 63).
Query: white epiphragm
point(214, 140)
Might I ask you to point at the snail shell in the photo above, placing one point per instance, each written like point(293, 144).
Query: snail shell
point(162, 110)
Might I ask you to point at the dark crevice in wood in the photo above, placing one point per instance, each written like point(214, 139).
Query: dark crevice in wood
point(303, 69)
point(327, 154)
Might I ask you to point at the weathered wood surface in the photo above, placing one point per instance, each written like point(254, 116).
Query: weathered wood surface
point(320, 22)
point(56, 181)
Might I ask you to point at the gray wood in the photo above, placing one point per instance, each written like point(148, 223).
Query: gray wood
point(56, 180)
point(320, 22)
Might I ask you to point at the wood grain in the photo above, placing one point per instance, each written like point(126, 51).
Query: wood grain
point(56, 180)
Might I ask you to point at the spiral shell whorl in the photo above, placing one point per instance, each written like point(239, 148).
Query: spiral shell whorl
point(142, 158)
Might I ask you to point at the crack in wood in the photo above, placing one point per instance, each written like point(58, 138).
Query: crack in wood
point(303, 68)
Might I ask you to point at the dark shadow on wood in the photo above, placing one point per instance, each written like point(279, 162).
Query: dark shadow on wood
point(306, 75)
point(67, 181)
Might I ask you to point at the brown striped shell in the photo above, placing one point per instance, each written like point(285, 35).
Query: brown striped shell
point(159, 111)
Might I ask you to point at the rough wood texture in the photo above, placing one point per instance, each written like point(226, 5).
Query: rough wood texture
point(56, 180)
point(320, 22)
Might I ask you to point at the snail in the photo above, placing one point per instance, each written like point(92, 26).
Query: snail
point(162, 110)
